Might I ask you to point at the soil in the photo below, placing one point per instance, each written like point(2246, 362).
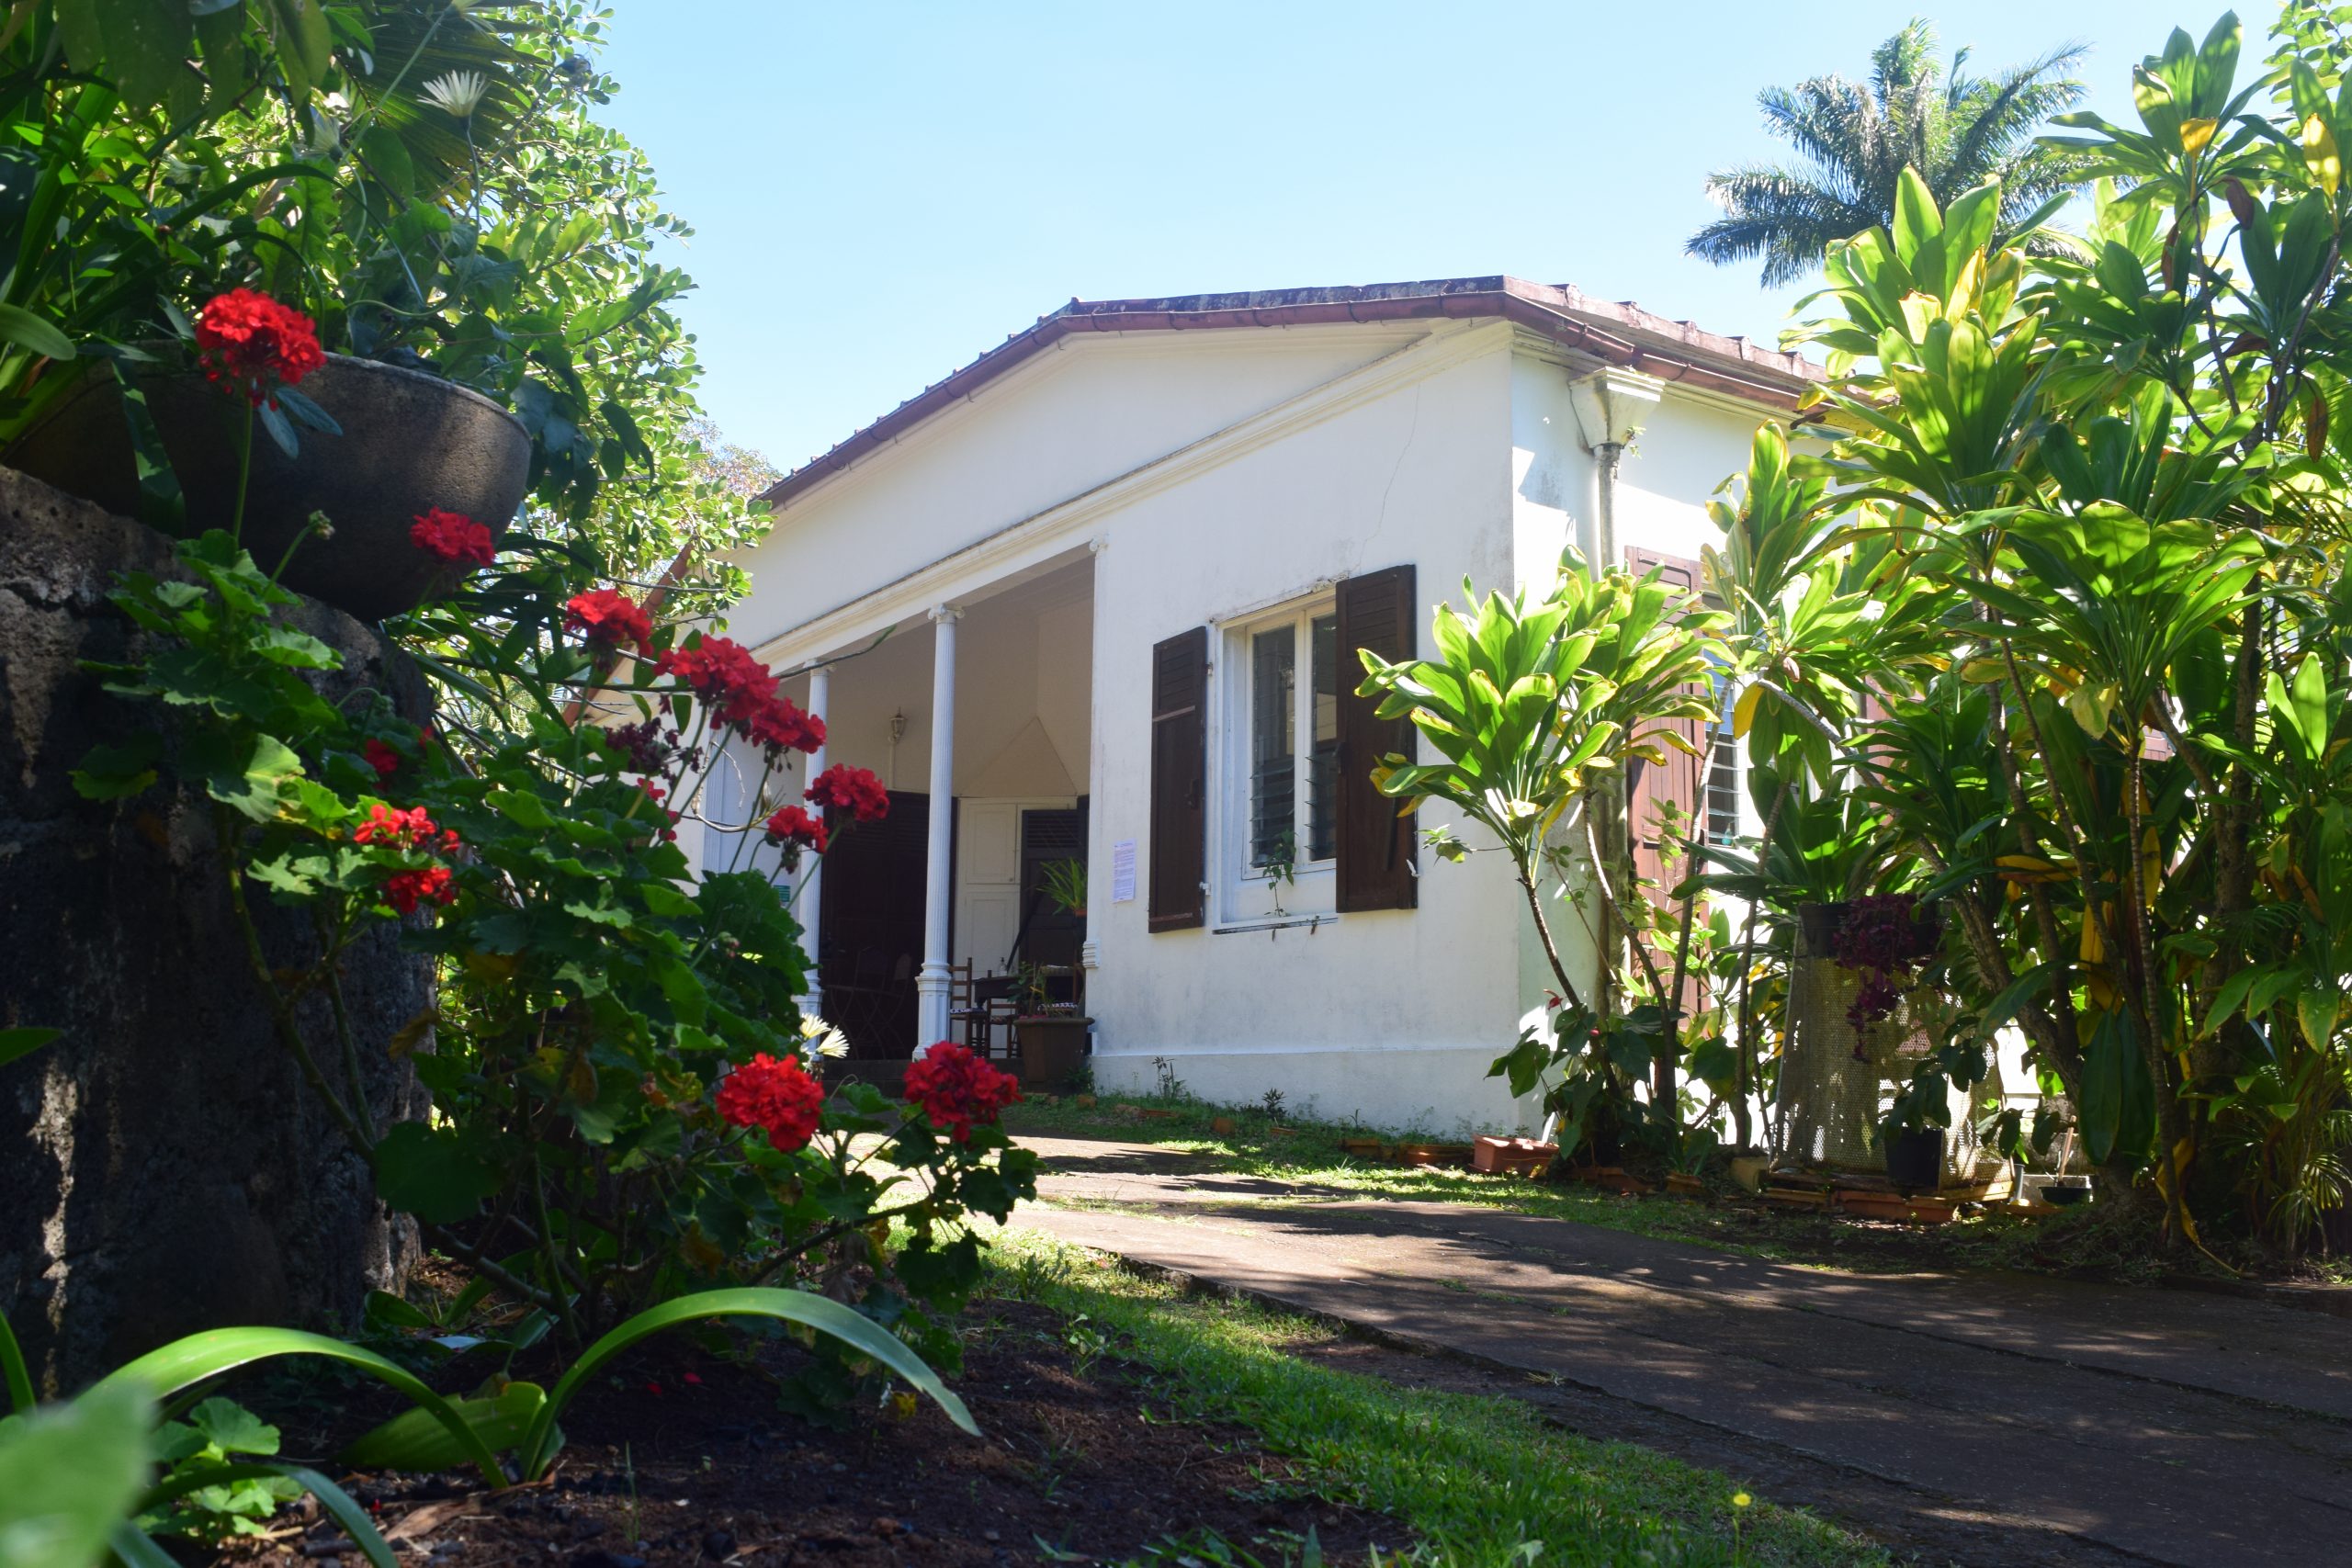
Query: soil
point(682, 1458)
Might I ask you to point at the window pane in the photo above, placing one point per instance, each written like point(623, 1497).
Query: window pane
point(1722, 823)
point(1274, 708)
point(1723, 789)
point(1323, 763)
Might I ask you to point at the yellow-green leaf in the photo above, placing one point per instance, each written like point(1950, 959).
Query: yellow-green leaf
point(2195, 134)
point(2315, 1010)
point(2320, 156)
point(1742, 714)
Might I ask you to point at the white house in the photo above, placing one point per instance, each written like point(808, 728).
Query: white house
point(1102, 589)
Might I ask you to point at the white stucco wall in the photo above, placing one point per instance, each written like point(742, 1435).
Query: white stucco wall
point(1213, 477)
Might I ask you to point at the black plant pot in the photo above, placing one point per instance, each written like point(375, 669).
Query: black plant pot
point(1915, 1161)
point(410, 442)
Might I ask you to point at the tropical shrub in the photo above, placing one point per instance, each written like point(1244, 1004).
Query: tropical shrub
point(2112, 489)
point(1534, 708)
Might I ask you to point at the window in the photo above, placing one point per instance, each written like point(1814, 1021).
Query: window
point(1722, 788)
point(1293, 742)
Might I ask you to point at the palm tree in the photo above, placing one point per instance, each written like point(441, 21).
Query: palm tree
point(1855, 138)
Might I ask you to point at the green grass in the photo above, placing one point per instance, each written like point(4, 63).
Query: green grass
point(1311, 1156)
point(1479, 1480)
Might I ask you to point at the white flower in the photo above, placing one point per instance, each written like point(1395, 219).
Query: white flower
point(821, 1039)
point(459, 93)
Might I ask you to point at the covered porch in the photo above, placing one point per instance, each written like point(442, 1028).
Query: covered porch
point(977, 714)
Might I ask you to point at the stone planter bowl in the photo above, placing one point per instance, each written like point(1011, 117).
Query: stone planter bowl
point(410, 442)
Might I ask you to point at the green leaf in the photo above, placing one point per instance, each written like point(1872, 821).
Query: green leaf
point(115, 773)
point(70, 1474)
point(2316, 1009)
point(523, 810)
point(199, 1357)
point(21, 327)
point(248, 775)
point(432, 1173)
point(161, 504)
point(232, 1428)
point(827, 1317)
point(2119, 1109)
point(414, 1441)
point(20, 1041)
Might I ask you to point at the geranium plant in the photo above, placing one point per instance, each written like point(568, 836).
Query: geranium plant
point(622, 1107)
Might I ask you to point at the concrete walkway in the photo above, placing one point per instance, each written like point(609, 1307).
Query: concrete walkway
point(1973, 1418)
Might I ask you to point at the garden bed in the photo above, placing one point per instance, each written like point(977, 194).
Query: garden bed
point(682, 1458)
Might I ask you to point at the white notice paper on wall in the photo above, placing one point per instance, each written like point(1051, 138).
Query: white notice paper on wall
point(1123, 871)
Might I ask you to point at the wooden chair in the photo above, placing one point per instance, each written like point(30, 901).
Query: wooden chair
point(963, 1009)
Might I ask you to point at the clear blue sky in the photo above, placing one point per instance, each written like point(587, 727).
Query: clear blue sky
point(881, 190)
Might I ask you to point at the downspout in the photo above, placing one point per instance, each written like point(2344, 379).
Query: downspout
point(1611, 405)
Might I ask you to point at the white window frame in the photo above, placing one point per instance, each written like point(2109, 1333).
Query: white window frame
point(1244, 893)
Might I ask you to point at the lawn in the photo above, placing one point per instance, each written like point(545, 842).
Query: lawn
point(1479, 1480)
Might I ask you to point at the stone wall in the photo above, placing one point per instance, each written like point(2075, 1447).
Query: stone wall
point(162, 1167)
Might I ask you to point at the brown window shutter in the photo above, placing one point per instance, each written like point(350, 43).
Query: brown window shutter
point(1681, 784)
point(1179, 683)
point(1377, 610)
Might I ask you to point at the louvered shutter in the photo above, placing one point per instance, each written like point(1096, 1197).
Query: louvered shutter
point(1679, 782)
point(1180, 669)
point(1376, 611)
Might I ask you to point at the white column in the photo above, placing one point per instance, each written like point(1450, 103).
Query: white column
point(1098, 836)
point(931, 985)
point(811, 895)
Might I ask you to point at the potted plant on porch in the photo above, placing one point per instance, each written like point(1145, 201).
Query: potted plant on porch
point(1051, 1033)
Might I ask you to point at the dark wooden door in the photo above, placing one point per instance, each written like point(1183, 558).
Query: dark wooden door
point(1048, 933)
point(869, 933)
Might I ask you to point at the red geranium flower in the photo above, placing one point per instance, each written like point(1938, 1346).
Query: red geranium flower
point(794, 827)
point(452, 536)
point(405, 889)
point(854, 790)
point(724, 674)
point(777, 1095)
point(250, 343)
point(955, 1089)
point(382, 757)
point(777, 723)
point(391, 825)
point(609, 618)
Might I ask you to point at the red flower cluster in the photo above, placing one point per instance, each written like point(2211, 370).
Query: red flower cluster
point(252, 345)
point(452, 536)
point(778, 726)
point(410, 830)
point(382, 757)
point(741, 695)
point(794, 828)
point(854, 790)
point(609, 618)
point(406, 889)
point(955, 1089)
point(778, 1096)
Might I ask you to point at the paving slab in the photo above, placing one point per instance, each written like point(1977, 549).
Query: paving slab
point(2163, 1427)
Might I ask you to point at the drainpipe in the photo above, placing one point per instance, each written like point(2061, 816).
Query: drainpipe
point(1611, 405)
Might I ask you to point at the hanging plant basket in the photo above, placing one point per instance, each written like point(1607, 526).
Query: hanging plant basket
point(411, 441)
